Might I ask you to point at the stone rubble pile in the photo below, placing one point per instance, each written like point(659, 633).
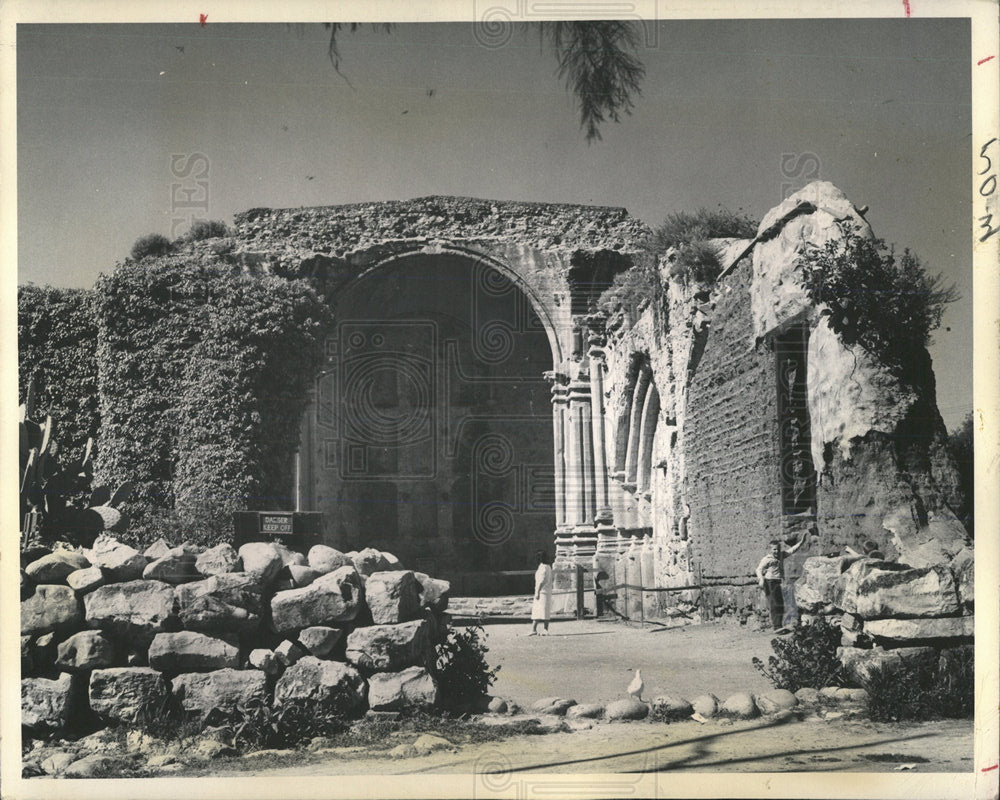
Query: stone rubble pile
point(890, 612)
point(110, 632)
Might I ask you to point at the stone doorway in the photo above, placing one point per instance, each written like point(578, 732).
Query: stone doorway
point(430, 432)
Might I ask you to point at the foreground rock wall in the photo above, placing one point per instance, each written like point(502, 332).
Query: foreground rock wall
point(110, 634)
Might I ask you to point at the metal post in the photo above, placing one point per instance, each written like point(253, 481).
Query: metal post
point(642, 598)
point(627, 613)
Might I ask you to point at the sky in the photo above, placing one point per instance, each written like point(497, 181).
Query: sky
point(732, 113)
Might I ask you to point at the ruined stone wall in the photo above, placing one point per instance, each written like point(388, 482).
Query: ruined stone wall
point(730, 429)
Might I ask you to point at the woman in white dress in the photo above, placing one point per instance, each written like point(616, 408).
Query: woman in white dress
point(541, 608)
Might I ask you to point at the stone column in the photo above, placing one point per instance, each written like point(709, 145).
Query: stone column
point(603, 516)
point(580, 472)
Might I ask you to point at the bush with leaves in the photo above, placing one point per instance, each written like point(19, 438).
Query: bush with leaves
point(888, 305)
point(960, 443)
point(464, 677)
point(806, 658)
point(689, 234)
point(925, 688)
point(153, 244)
point(206, 229)
point(257, 725)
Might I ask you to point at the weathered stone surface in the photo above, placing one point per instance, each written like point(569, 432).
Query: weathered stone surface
point(963, 568)
point(84, 581)
point(924, 592)
point(859, 663)
point(923, 543)
point(119, 561)
point(671, 707)
point(740, 705)
point(55, 567)
point(265, 660)
point(320, 640)
point(369, 561)
point(227, 602)
point(302, 576)
point(705, 704)
point(325, 559)
point(626, 708)
point(46, 704)
point(816, 586)
point(843, 695)
point(552, 705)
point(218, 560)
point(497, 705)
point(807, 696)
point(27, 662)
point(120, 693)
point(85, 651)
point(157, 549)
point(410, 688)
point(333, 597)
point(262, 560)
point(433, 591)
point(390, 648)
point(50, 608)
point(775, 701)
point(177, 566)
point(224, 689)
point(585, 711)
point(56, 763)
point(189, 651)
point(289, 652)
point(92, 766)
point(321, 682)
point(846, 591)
point(135, 610)
point(289, 557)
point(896, 631)
point(392, 597)
point(391, 562)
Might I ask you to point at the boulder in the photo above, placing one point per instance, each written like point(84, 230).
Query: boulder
point(189, 651)
point(410, 688)
point(27, 662)
point(95, 765)
point(497, 705)
point(333, 597)
point(50, 608)
point(302, 576)
point(118, 561)
point(842, 695)
point(671, 706)
point(963, 568)
point(859, 663)
point(320, 640)
point(923, 539)
point(391, 562)
point(84, 581)
point(262, 560)
point(807, 696)
point(219, 560)
point(816, 587)
point(429, 743)
point(390, 648)
point(228, 602)
point(121, 693)
point(85, 651)
point(369, 561)
point(157, 549)
point(56, 763)
point(55, 567)
point(392, 597)
point(846, 590)
point(177, 566)
point(740, 705)
point(897, 631)
point(552, 705)
point(433, 592)
point(289, 652)
point(265, 661)
point(47, 704)
point(325, 559)
point(626, 708)
point(705, 704)
point(585, 711)
point(201, 693)
point(922, 592)
point(321, 682)
point(775, 701)
point(135, 611)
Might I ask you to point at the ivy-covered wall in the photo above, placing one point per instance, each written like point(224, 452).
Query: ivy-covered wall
point(203, 375)
point(56, 342)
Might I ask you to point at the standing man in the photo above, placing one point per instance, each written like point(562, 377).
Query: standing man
point(771, 573)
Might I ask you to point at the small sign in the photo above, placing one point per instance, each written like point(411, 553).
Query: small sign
point(276, 524)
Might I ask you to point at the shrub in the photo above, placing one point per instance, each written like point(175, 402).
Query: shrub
point(697, 261)
point(960, 443)
point(806, 658)
point(257, 725)
point(923, 689)
point(887, 305)
point(206, 229)
point(684, 227)
point(153, 244)
point(631, 291)
point(464, 677)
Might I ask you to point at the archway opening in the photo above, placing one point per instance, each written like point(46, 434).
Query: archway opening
point(432, 434)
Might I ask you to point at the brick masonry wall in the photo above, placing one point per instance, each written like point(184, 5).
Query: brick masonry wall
point(732, 446)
